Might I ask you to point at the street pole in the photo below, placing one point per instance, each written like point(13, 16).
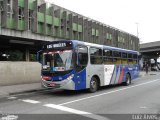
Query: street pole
point(137, 30)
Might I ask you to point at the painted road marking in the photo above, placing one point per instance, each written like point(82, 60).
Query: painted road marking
point(31, 101)
point(74, 111)
point(12, 98)
point(106, 93)
point(143, 107)
point(70, 110)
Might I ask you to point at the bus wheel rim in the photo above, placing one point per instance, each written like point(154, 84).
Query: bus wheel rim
point(128, 80)
point(93, 84)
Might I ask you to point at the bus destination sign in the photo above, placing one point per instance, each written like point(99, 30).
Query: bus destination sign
point(59, 45)
point(56, 45)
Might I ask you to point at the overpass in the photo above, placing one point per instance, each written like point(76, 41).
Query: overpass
point(150, 51)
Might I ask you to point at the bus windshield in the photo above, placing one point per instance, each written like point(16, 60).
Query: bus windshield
point(59, 60)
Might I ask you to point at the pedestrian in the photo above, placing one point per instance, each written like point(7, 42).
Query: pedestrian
point(146, 67)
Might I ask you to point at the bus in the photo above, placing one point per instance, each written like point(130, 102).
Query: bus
point(77, 65)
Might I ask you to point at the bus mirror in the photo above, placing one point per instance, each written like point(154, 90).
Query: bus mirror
point(79, 59)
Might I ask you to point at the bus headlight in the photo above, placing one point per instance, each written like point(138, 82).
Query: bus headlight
point(46, 78)
point(70, 77)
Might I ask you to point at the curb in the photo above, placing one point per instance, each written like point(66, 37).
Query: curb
point(3, 95)
point(27, 91)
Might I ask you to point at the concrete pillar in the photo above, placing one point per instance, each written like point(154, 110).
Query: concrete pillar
point(27, 55)
point(0, 20)
point(0, 13)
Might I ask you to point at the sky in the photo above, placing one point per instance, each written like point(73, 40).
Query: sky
point(126, 15)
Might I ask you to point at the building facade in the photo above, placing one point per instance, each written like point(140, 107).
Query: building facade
point(26, 24)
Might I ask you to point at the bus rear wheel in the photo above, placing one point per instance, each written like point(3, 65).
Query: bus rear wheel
point(93, 85)
point(128, 80)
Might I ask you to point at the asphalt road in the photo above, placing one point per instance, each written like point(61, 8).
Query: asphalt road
point(118, 102)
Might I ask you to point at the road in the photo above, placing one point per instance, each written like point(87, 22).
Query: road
point(111, 102)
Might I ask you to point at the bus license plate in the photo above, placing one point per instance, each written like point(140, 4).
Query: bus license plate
point(52, 84)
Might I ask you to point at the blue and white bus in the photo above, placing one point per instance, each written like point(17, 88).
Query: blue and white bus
point(77, 65)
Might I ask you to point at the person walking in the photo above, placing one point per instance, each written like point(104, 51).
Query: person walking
point(146, 67)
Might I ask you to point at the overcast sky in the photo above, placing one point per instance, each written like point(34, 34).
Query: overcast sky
point(122, 14)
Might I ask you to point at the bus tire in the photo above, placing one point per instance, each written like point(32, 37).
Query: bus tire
point(93, 85)
point(128, 80)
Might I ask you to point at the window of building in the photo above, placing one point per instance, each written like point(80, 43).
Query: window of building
point(121, 39)
point(74, 35)
point(79, 36)
point(40, 27)
point(9, 8)
point(1, 5)
point(38, 8)
point(109, 36)
point(56, 30)
point(49, 29)
point(30, 19)
point(131, 42)
point(21, 14)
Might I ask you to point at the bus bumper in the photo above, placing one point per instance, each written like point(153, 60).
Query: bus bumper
point(64, 84)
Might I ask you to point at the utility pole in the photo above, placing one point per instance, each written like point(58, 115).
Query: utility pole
point(137, 30)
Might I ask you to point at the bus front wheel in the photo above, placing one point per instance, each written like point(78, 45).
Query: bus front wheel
point(93, 85)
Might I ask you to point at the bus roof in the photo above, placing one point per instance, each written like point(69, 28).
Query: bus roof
point(104, 46)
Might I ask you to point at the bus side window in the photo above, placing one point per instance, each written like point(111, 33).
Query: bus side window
point(96, 55)
point(130, 58)
point(119, 61)
point(134, 61)
point(114, 60)
point(116, 57)
point(107, 56)
point(135, 58)
point(124, 58)
point(81, 57)
point(107, 60)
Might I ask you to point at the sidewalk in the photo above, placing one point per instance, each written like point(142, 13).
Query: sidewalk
point(17, 89)
point(143, 73)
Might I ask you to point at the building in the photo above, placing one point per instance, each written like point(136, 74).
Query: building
point(26, 24)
